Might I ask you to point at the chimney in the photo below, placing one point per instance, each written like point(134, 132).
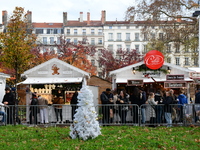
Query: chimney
point(103, 16)
point(81, 16)
point(64, 18)
point(179, 18)
point(132, 19)
point(4, 17)
point(29, 16)
point(88, 18)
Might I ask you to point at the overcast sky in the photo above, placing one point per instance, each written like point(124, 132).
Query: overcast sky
point(52, 10)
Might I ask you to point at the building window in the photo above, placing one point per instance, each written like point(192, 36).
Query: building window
point(153, 35)
point(84, 31)
point(187, 48)
point(110, 47)
point(99, 40)
point(137, 48)
point(137, 37)
point(84, 40)
point(161, 36)
point(68, 31)
point(110, 27)
point(119, 47)
point(51, 40)
point(119, 37)
point(177, 61)
point(169, 60)
point(168, 48)
point(58, 40)
point(93, 62)
point(128, 37)
point(92, 41)
point(119, 27)
point(50, 31)
point(145, 49)
point(128, 47)
point(75, 41)
point(44, 40)
point(39, 31)
point(110, 36)
point(92, 31)
point(99, 31)
point(145, 37)
point(99, 52)
point(195, 61)
point(177, 48)
point(55, 31)
point(127, 27)
point(68, 40)
point(75, 32)
point(186, 61)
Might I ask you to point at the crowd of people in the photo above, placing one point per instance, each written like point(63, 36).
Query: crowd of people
point(161, 106)
point(158, 107)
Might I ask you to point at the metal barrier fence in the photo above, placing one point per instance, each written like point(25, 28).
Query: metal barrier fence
point(110, 114)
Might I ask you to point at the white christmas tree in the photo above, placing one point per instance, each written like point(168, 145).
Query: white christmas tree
point(85, 123)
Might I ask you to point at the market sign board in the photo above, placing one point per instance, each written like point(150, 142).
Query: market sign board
point(134, 82)
point(195, 75)
point(154, 59)
point(174, 77)
point(174, 84)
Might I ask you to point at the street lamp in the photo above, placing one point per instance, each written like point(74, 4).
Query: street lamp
point(197, 14)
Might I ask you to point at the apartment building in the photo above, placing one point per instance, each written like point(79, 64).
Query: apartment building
point(112, 35)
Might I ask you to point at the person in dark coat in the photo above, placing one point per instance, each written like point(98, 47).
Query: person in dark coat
point(135, 99)
point(159, 98)
point(74, 102)
point(167, 108)
point(9, 99)
point(34, 110)
point(106, 98)
point(123, 108)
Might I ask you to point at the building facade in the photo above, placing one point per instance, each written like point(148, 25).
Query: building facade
point(112, 35)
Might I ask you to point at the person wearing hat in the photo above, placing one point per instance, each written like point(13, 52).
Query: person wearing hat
point(9, 100)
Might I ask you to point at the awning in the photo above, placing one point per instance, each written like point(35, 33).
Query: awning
point(51, 80)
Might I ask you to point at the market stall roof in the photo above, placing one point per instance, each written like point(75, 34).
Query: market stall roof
point(3, 75)
point(142, 62)
point(195, 69)
point(51, 80)
point(149, 80)
point(54, 71)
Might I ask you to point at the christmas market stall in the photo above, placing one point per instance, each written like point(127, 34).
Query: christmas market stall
point(50, 78)
point(153, 74)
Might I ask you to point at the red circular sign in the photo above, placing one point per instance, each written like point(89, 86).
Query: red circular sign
point(154, 59)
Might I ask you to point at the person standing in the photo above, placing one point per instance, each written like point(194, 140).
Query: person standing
point(135, 99)
point(142, 101)
point(152, 113)
point(106, 98)
point(182, 99)
point(3, 114)
point(43, 104)
point(74, 102)
point(123, 108)
point(167, 108)
point(58, 101)
point(197, 106)
point(159, 108)
point(34, 109)
point(9, 100)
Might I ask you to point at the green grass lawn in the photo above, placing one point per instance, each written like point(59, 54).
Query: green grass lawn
point(112, 138)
